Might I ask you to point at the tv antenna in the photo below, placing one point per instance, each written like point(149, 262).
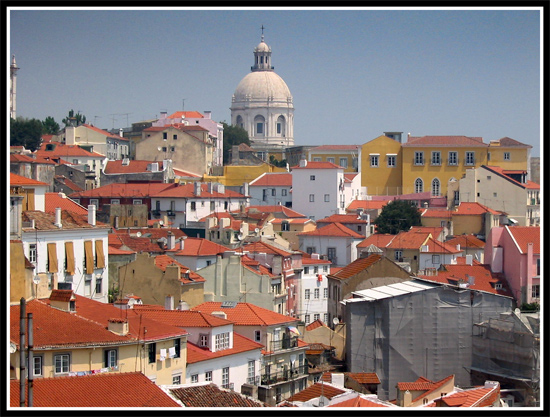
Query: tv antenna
point(183, 104)
point(125, 114)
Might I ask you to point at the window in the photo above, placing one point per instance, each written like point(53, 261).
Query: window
point(327, 198)
point(176, 379)
point(32, 253)
point(273, 192)
point(279, 128)
point(344, 162)
point(284, 192)
point(172, 148)
point(315, 270)
point(398, 254)
point(251, 372)
point(470, 160)
point(307, 318)
point(316, 293)
point(164, 149)
point(331, 254)
point(177, 348)
point(325, 317)
point(330, 159)
point(453, 158)
point(110, 359)
point(312, 198)
point(306, 270)
point(37, 366)
point(435, 259)
point(506, 156)
point(193, 205)
point(285, 226)
point(152, 352)
point(312, 177)
point(225, 377)
point(311, 249)
point(391, 161)
point(419, 158)
point(208, 376)
point(325, 268)
point(175, 137)
point(435, 187)
point(317, 159)
point(257, 335)
point(316, 316)
point(535, 291)
point(418, 185)
point(62, 363)
point(212, 205)
point(164, 135)
point(436, 158)
point(194, 378)
point(136, 201)
point(222, 341)
point(98, 285)
point(538, 267)
point(115, 201)
point(95, 202)
point(374, 161)
point(259, 128)
point(325, 292)
point(307, 294)
point(355, 162)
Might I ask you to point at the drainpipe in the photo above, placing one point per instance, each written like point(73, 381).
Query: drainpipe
point(31, 363)
point(22, 312)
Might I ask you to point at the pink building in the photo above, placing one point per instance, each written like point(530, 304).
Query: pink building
point(515, 252)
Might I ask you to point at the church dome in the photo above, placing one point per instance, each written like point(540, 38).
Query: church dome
point(262, 86)
point(262, 47)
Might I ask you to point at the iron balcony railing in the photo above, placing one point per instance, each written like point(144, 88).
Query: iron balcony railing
point(285, 343)
point(269, 378)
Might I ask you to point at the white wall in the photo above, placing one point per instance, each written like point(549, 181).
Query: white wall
point(313, 305)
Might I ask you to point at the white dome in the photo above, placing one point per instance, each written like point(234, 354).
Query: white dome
point(262, 47)
point(262, 86)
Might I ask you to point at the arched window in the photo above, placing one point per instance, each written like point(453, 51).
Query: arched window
point(436, 187)
point(418, 185)
point(240, 121)
point(259, 126)
point(281, 126)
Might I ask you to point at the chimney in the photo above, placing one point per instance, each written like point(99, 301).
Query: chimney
point(171, 241)
point(70, 135)
point(91, 214)
point(469, 259)
point(118, 326)
point(58, 217)
point(120, 132)
point(303, 163)
point(169, 302)
point(235, 154)
point(182, 243)
point(458, 247)
point(207, 114)
point(198, 190)
point(245, 188)
point(219, 314)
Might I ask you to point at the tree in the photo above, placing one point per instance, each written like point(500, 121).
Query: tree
point(396, 216)
point(233, 135)
point(26, 132)
point(274, 161)
point(50, 126)
point(74, 120)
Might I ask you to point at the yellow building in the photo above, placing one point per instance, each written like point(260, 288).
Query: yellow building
point(74, 336)
point(509, 154)
point(381, 166)
point(346, 156)
point(237, 175)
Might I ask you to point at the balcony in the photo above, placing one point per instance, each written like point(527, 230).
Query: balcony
point(171, 213)
point(156, 213)
point(285, 343)
point(270, 378)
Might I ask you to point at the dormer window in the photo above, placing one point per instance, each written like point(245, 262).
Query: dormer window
point(203, 340)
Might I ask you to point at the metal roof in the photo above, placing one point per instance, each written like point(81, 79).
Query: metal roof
point(386, 291)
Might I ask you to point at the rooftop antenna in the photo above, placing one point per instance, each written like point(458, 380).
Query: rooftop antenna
point(183, 104)
point(113, 119)
point(125, 114)
point(96, 117)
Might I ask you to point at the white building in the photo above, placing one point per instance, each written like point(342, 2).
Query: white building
point(321, 189)
point(313, 290)
point(262, 104)
point(271, 189)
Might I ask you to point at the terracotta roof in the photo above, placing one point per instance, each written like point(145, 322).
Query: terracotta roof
point(255, 267)
point(246, 314)
point(61, 295)
point(137, 244)
point(18, 158)
point(472, 209)
point(423, 384)
point(366, 205)
point(315, 391)
point(435, 246)
point(444, 141)
point(342, 218)
point(133, 166)
point(289, 213)
point(434, 231)
point(334, 230)
point(315, 324)
point(135, 190)
point(186, 114)
point(318, 165)
point(20, 180)
point(153, 233)
point(378, 239)
point(196, 246)
point(349, 177)
point(112, 250)
point(466, 241)
point(364, 377)
point(210, 395)
point(273, 179)
point(506, 175)
point(360, 402)
point(184, 318)
point(69, 220)
point(103, 132)
point(262, 247)
point(68, 183)
point(509, 142)
point(179, 126)
point(436, 212)
point(474, 397)
point(409, 240)
point(65, 151)
point(240, 344)
point(335, 148)
point(163, 261)
point(313, 261)
point(188, 190)
point(357, 266)
point(128, 389)
point(183, 173)
point(523, 235)
point(54, 200)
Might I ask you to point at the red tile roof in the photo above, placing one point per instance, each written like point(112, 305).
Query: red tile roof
point(184, 318)
point(65, 151)
point(210, 395)
point(444, 141)
point(54, 200)
point(273, 179)
point(335, 148)
point(466, 241)
point(69, 220)
point(318, 165)
point(240, 344)
point(132, 389)
point(115, 251)
point(104, 132)
point(366, 205)
point(315, 324)
point(506, 174)
point(133, 166)
point(153, 233)
point(196, 246)
point(262, 247)
point(68, 183)
point(188, 191)
point(409, 240)
point(18, 158)
point(472, 209)
point(315, 391)
point(523, 235)
point(163, 261)
point(334, 230)
point(137, 244)
point(364, 377)
point(509, 142)
point(378, 239)
point(474, 397)
point(308, 260)
point(246, 314)
point(436, 213)
point(123, 190)
point(186, 114)
point(341, 218)
point(359, 402)
point(289, 213)
point(435, 246)
point(255, 267)
point(20, 180)
point(182, 173)
point(423, 384)
point(357, 266)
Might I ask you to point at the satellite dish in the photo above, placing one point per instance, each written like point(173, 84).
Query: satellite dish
point(335, 321)
point(13, 348)
point(138, 234)
point(256, 230)
point(240, 237)
point(159, 148)
point(161, 222)
point(36, 279)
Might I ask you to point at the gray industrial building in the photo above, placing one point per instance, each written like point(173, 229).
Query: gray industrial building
point(416, 328)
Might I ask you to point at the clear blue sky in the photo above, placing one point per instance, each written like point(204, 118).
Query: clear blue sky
point(353, 73)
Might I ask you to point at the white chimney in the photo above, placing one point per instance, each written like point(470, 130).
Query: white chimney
point(169, 302)
point(207, 114)
point(171, 240)
point(469, 259)
point(118, 326)
point(198, 189)
point(120, 132)
point(303, 163)
point(91, 214)
point(70, 135)
point(458, 247)
point(182, 243)
point(219, 314)
point(58, 217)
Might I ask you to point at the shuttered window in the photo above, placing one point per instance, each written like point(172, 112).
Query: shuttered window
point(88, 257)
point(52, 257)
point(100, 256)
point(69, 258)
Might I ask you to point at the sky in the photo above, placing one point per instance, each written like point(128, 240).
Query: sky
point(353, 73)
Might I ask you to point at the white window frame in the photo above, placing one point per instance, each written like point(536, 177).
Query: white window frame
point(436, 158)
point(331, 159)
point(470, 158)
point(307, 294)
point(327, 198)
point(419, 158)
point(65, 363)
point(453, 158)
point(312, 198)
point(507, 156)
point(38, 360)
point(392, 161)
point(316, 293)
point(374, 161)
point(344, 162)
point(194, 378)
point(208, 376)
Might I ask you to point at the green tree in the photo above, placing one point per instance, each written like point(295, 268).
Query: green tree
point(276, 162)
point(50, 126)
point(26, 132)
point(396, 216)
point(233, 135)
point(75, 120)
